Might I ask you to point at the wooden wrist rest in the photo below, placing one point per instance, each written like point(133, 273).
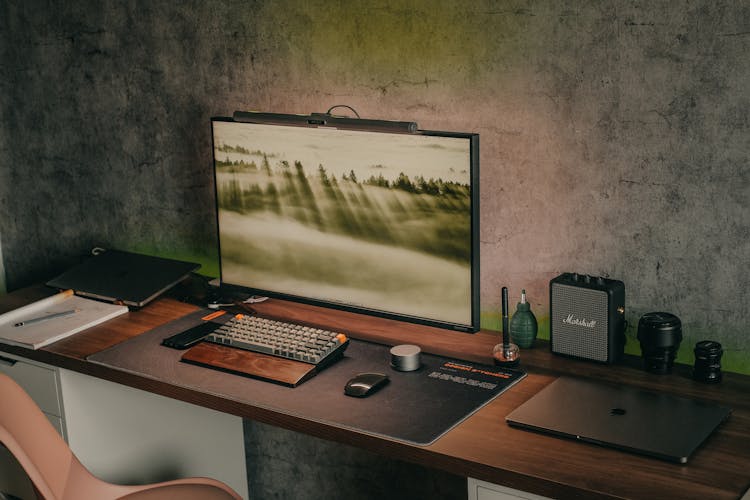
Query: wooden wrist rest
point(250, 364)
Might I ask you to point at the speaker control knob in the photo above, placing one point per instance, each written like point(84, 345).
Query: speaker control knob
point(574, 277)
point(599, 280)
point(587, 278)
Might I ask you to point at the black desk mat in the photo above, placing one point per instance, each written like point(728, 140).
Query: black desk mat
point(415, 407)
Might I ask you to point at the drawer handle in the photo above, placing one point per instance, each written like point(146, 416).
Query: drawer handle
point(7, 361)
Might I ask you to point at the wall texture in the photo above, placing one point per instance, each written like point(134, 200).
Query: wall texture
point(285, 465)
point(613, 134)
point(2, 268)
point(614, 137)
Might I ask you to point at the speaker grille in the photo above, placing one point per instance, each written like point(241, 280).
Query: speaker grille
point(579, 322)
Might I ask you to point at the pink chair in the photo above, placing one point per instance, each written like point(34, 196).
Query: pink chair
point(57, 474)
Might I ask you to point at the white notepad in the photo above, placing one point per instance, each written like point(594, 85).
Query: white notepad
point(54, 318)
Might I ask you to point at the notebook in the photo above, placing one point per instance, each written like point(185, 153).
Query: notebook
point(661, 425)
point(54, 318)
point(124, 277)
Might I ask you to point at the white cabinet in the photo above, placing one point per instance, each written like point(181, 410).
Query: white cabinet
point(42, 383)
point(128, 436)
point(482, 490)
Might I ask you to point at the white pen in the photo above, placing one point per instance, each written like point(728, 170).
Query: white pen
point(45, 318)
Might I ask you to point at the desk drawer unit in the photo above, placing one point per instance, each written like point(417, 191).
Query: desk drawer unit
point(39, 381)
point(42, 383)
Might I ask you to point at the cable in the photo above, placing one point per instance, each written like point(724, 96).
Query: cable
point(343, 106)
point(254, 299)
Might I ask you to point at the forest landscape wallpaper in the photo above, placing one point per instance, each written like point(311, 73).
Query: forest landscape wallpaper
point(380, 221)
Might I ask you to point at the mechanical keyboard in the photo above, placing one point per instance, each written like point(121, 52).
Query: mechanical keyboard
point(279, 338)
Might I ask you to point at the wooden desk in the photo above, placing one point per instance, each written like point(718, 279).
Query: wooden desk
point(483, 446)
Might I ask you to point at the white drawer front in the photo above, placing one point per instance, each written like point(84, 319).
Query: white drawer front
point(38, 381)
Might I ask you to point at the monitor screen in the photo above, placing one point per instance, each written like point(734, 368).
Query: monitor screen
point(376, 222)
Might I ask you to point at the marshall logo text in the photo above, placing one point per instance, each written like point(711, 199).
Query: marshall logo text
point(579, 322)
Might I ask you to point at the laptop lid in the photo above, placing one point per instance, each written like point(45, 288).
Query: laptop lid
point(656, 424)
point(130, 278)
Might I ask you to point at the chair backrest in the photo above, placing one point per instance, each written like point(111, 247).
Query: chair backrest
point(58, 475)
point(32, 439)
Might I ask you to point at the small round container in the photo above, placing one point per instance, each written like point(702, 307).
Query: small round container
point(406, 357)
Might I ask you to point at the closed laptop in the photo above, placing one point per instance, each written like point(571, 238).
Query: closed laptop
point(660, 425)
point(124, 277)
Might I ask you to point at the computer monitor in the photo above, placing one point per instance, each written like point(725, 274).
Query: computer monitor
point(365, 219)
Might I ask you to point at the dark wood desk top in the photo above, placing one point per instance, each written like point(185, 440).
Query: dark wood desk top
point(483, 446)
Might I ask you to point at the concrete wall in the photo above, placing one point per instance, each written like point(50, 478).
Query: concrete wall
point(2, 269)
point(614, 141)
point(613, 134)
point(285, 465)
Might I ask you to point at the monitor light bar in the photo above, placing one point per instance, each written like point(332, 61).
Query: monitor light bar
point(325, 120)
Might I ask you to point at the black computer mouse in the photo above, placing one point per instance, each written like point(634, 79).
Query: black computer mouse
point(364, 384)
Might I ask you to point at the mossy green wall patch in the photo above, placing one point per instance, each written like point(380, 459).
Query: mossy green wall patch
point(388, 45)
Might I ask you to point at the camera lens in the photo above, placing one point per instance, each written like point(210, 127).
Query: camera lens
point(660, 334)
point(707, 362)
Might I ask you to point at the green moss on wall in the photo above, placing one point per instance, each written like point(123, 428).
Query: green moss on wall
point(386, 45)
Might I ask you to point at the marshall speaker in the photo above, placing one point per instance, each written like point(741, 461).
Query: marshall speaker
point(587, 317)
